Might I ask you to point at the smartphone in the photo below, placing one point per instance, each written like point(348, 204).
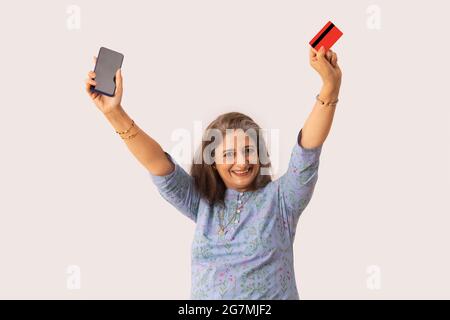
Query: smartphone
point(108, 62)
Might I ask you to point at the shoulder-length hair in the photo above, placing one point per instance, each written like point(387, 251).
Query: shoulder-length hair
point(207, 180)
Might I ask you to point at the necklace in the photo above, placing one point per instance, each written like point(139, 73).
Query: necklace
point(235, 216)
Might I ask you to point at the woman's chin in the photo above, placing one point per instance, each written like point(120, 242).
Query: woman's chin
point(242, 181)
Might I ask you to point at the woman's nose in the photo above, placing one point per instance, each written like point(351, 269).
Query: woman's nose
point(242, 158)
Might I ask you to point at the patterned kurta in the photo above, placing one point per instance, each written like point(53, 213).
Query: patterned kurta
point(253, 258)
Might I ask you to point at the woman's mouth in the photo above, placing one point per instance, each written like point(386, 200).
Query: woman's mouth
point(242, 173)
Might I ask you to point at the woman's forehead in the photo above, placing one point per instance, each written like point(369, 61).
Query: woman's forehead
point(236, 139)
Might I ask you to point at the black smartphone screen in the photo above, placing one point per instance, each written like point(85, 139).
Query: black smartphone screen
point(108, 62)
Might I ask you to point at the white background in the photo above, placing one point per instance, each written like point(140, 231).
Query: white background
point(72, 194)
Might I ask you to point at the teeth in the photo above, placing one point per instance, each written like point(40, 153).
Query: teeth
point(241, 172)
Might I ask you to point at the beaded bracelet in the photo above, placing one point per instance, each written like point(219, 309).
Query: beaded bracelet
point(330, 104)
point(123, 132)
point(131, 136)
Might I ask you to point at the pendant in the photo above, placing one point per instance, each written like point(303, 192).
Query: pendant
point(236, 220)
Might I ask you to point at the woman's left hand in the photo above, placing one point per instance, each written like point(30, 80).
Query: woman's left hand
point(325, 63)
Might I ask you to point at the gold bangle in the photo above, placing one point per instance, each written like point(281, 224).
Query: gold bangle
point(330, 104)
point(131, 136)
point(124, 132)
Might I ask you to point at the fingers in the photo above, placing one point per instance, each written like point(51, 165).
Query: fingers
point(313, 55)
point(312, 52)
point(88, 87)
point(91, 94)
point(321, 53)
point(90, 82)
point(333, 58)
point(328, 55)
point(119, 78)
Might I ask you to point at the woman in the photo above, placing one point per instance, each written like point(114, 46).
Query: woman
point(245, 222)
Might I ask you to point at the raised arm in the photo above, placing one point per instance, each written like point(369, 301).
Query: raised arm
point(297, 185)
point(146, 150)
point(318, 123)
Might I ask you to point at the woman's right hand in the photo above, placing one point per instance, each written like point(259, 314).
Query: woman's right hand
point(325, 63)
point(104, 103)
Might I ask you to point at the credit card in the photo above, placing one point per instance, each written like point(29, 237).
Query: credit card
point(326, 37)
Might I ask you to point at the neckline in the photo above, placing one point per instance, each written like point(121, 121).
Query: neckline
point(231, 193)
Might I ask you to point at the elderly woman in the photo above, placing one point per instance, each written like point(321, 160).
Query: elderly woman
point(245, 221)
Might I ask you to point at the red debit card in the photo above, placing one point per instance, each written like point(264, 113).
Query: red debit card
point(326, 37)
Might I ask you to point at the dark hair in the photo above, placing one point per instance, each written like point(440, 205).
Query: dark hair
point(207, 180)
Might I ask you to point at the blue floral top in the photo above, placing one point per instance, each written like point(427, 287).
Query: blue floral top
point(253, 258)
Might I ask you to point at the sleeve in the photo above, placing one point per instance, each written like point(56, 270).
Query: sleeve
point(179, 190)
point(297, 185)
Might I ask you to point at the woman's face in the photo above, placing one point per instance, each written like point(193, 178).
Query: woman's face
point(236, 160)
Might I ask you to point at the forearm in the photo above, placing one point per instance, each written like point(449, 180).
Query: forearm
point(145, 149)
point(319, 121)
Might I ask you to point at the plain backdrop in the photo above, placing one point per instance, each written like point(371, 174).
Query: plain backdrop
point(71, 194)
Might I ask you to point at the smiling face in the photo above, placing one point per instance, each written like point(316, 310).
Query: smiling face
point(236, 160)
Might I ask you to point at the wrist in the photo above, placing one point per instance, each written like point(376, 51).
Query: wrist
point(114, 113)
point(121, 122)
point(329, 92)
